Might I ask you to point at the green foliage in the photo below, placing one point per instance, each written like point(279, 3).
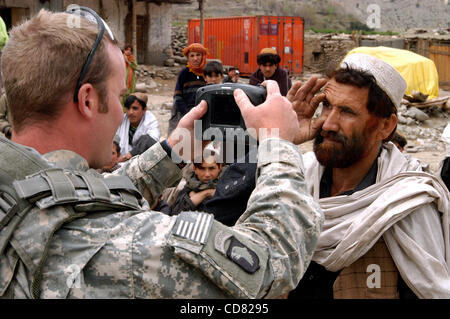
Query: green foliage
point(309, 14)
point(177, 23)
point(356, 25)
point(365, 32)
point(331, 10)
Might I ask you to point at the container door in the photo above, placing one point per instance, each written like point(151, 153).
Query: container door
point(213, 39)
point(246, 50)
point(288, 42)
point(274, 34)
point(268, 33)
point(235, 41)
point(298, 45)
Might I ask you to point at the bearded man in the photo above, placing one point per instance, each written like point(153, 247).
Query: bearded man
point(386, 230)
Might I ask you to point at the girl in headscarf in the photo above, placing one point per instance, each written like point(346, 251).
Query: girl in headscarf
point(131, 66)
point(189, 80)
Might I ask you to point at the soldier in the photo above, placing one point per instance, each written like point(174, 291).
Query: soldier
point(68, 232)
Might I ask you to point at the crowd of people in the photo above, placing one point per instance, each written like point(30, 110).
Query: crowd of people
point(355, 218)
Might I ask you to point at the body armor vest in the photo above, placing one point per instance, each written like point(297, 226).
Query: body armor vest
point(27, 181)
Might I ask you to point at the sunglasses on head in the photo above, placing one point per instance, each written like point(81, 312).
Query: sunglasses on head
point(92, 16)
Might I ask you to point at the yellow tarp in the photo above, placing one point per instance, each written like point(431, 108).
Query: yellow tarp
point(418, 71)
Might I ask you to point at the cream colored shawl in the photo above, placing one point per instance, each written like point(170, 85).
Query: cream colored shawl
point(406, 206)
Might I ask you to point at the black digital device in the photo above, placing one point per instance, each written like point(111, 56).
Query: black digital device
point(223, 117)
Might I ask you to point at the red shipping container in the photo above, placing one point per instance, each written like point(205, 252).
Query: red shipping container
point(236, 41)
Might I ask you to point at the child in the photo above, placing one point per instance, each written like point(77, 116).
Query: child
point(233, 75)
point(201, 182)
point(213, 72)
point(113, 165)
point(400, 141)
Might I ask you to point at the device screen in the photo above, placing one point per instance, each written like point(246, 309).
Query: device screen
point(225, 110)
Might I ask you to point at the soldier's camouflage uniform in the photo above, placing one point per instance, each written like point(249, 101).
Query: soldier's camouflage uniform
point(137, 253)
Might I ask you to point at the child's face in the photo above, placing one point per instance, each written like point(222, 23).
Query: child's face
point(128, 52)
point(114, 158)
point(207, 171)
point(214, 78)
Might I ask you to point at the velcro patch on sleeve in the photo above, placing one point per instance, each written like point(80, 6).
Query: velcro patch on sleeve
point(243, 256)
point(193, 226)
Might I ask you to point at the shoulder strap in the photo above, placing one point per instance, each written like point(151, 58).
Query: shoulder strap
point(56, 186)
point(27, 181)
point(12, 211)
point(15, 162)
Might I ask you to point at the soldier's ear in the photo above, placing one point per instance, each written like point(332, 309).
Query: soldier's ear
point(88, 100)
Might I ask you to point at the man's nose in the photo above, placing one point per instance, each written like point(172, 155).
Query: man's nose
point(331, 122)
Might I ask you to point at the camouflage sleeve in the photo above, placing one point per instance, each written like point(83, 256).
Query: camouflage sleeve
point(281, 215)
point(151, 172)
point(268, 250)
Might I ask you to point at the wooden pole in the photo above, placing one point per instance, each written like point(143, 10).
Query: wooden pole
point(134, 27)
point(202, 21)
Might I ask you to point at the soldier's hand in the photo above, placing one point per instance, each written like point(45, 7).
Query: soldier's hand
point(184, 132)
point(305, 102)
point(276, 112)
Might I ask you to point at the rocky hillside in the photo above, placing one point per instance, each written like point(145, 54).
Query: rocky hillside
point(395, 15)
point(401, 15)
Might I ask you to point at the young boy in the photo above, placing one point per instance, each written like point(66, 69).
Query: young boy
point(201, 182)
point(213, 72)
point(113, 165)
point(233, 75)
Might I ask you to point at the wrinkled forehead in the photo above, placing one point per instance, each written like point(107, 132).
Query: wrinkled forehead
point(342, 94)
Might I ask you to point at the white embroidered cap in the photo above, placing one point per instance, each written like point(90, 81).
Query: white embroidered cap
point(386, 76)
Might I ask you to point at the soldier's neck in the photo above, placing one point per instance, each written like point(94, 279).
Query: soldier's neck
point(45, 141)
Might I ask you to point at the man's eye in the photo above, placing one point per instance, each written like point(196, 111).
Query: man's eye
point(348, 111)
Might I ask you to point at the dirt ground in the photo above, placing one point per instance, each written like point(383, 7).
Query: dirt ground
point(164, 94)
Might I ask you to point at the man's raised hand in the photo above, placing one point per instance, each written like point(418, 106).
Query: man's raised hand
point(305, 102)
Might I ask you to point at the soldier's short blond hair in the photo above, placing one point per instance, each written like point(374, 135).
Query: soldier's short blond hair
point(41, 64)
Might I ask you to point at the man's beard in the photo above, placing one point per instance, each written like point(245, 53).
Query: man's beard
point(338, 155)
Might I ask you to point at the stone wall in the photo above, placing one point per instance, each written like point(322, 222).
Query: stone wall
point(154, 45)
point(324, 51)
point(159, 34)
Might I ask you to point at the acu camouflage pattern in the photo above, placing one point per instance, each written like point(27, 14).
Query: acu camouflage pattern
point(134, 254)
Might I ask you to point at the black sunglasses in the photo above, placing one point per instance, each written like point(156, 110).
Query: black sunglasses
point(92, 16)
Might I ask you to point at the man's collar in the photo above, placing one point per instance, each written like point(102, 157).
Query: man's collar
point(67, 160)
